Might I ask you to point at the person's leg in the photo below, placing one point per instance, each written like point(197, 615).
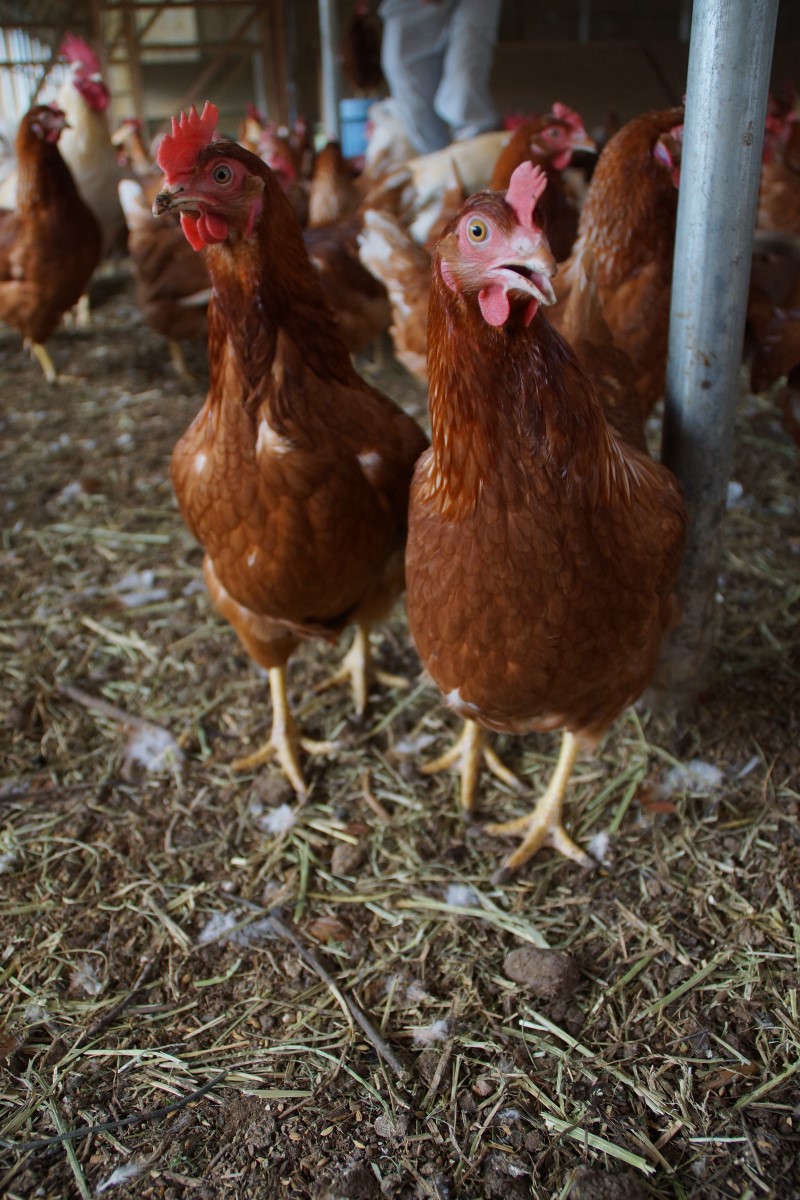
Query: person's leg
point(463, 99)
point(412, 56)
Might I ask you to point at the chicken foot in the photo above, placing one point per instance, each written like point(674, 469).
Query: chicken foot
point(178, 360)
point(355, 669)
point(466, 754)
point(44, 360)
point(542, 826)
point(284, 739)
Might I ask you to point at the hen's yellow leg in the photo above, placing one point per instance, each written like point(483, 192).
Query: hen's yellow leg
point(83, 312)
point(355, 669)
point(178, 360)
point(45, 361)
point(466, 754)
point(284, 740)
point(542, 826)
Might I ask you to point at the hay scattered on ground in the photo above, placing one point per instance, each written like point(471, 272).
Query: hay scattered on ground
point(152, 1005)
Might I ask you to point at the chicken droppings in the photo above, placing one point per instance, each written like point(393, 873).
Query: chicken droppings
point(548, 973)
point(347, 858)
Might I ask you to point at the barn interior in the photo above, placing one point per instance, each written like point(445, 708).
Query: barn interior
point(216, 987)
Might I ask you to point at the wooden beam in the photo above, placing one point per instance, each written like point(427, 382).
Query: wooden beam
point(122, 5)
point(133, 40)
point(273, 41)
point(202, 81)
point(195, 47)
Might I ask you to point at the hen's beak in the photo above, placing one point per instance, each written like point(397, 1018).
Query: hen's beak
point(588, 144)
point(531, 273)
point(174, 199)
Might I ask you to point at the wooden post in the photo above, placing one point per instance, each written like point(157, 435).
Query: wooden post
point(730, 55)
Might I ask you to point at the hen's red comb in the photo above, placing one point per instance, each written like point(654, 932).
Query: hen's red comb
point(525, 189)
point(179, 149)
point(76, 50)
point(568, 116)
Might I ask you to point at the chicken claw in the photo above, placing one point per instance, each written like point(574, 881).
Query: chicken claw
point(355, 669)
point(284, 739)
point(542, 826)
point(466, 754)
point(45, 361)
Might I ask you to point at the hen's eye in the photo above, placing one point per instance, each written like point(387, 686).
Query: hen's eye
point(477, 230)
point(222, 174)
point(552, 132)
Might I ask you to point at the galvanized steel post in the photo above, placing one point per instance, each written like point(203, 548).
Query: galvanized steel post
point(331, 86)
point(730, 57)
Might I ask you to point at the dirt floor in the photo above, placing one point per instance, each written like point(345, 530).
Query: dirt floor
point(395, 1030)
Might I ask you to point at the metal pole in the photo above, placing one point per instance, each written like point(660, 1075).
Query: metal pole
point(584, 21)
point(730, 55)
point(331, 90)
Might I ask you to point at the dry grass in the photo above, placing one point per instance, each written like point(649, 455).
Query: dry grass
point(151, 1004)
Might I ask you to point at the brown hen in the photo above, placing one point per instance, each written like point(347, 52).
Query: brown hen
point(543, 549)
point(172, 282)
point(549, 141)
point(628, 224)
point(294, 476)
point(50, 245)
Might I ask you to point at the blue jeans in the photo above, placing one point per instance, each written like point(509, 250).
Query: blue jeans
point(437, 58)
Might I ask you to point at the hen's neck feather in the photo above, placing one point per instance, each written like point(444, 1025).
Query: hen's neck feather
point(42, 175)
point(631, 207)
point(509, 405)
point(265, 286)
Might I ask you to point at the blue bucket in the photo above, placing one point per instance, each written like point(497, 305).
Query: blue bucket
point(353, 126)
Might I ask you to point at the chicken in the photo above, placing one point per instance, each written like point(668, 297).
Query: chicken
point(431, 174)
point(628, 223)
point(132, 155)
point(332, 194)
point(773, 310)
point(294, 476)
point(543, 549)
point(251, 129)
point(779, 191)
point(391, 253)
point(172, 282)
point(285, 158)
point(388, 250)
point(50, 245)
point(550, 141)
point(358, 300)
point(385, 180)
point(86, 145)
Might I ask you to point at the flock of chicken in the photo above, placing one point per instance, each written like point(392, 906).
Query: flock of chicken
point(538, 541)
